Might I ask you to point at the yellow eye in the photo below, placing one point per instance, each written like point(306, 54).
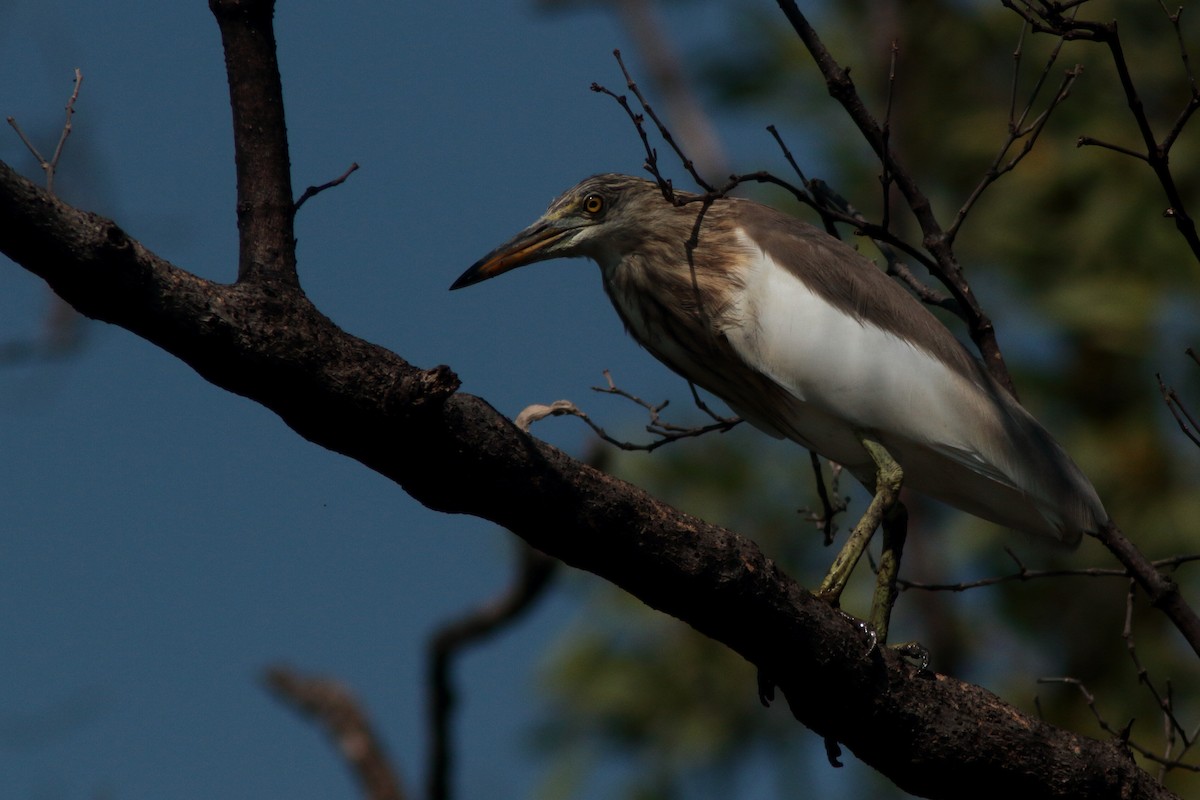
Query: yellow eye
point(593, 204)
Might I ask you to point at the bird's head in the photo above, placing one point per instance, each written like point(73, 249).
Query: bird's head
point(598, 216)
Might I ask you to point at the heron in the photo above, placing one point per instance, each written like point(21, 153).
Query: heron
point(808, 340)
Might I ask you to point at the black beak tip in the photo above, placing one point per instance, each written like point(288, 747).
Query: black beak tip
point(466, 279)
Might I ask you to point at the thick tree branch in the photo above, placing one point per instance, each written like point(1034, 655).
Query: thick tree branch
point(265, 205)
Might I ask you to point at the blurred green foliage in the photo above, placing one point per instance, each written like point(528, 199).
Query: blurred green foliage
point(1092, 291)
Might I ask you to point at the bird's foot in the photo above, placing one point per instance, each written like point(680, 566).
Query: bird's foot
point(915, 652)
point(865, 629)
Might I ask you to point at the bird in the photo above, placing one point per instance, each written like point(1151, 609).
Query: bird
point(809, 340)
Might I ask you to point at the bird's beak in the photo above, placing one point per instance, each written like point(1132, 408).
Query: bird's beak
point(526, 247)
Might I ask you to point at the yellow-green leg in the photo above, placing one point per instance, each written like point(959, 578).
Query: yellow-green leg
point(886, 509)
point(888, 477)
point(895, 531)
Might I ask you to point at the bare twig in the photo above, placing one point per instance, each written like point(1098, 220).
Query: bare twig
point(339, 712)
point(651, 164)
point(885, 178)
point(1183, 417)
point(787, 154)
point(62, 332)
point(1121, 734)
point(1143, 675)
point(888, 244)
point(665, 432)
point(662, 129)
point(1091, 141)
point(1053, 18)
point(826, 519)
point(1018, 130)
point(1023, 573)
point(700, 404)
point(808, 197)
point(1194, 103)
point(668, 75)
point(50, 165)
point(834, 208)
point(315, 190)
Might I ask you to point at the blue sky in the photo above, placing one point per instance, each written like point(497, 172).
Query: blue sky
point(163, 541)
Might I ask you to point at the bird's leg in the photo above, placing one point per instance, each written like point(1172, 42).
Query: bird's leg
point(888, 477)
point(895, 530)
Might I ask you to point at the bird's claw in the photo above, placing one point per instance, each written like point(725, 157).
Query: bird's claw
point(865, 629)
point(914, 651)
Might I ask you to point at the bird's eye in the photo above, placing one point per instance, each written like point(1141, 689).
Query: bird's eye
point(593, 204)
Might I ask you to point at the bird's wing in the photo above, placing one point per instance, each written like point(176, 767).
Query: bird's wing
point(960, 436)
point(861, 378)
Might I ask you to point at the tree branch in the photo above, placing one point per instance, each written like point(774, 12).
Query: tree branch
point(1051, 18)
point(265, 207)
point(339, 712)
point(534, 571)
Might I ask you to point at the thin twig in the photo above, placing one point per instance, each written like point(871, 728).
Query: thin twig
point(651, 165)
point(1143, 675)
point(885, 178)
point(50, 166)
point(1194, 101)
point(1121, 734)
point(1023, 573)
point(1050, 18)
point(1183, 417)
point(826, 520)
point(315, 190)
point(665, 432)
point(1091, 141)
point(834, 208)
point(63, 332)
point(811, 199)
point(1018, 130)
point(700, 404)
point(667, 73)
point(662, 129)
point(657, 425)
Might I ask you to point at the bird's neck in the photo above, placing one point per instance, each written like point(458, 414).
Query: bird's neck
point(675, 302)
